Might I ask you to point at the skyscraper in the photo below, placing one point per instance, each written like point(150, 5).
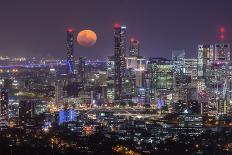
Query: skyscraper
point(4, 108)
point(205, 58)
point(222, 77)
point(222, 52)
point(59, 86)
point(161, 76)
point(110, 79)
point(119, 56)
point(81, 69)
point(70, 50)
point(133, 47)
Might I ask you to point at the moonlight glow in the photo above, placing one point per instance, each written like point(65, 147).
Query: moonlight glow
point(86, 38)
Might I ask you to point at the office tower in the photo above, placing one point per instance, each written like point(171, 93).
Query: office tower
point(70, 50)
point(205, 72)
point(222, 52)
point(138, 65)
point(134, 83)
point(133, 47)
point(178, 57)
point(110, 79)
point(160, 72)
point(129, 86)
point(59, 87)
point(205, 59)
point(187, 81)
point(141, 68)
point(4, 108)
point(119, 60)
point(178, 61)
point(130, 78)
point(26, 112)
point(221, 78)
point(81, 70)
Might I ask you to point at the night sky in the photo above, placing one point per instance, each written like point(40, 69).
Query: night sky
point(37, 27)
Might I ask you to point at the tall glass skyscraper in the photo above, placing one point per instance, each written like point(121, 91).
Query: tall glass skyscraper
point(120, 62)
point(70, 50)
point(81, 70)
point(205, 59)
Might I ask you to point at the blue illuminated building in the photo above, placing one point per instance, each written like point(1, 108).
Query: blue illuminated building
point(69, 115)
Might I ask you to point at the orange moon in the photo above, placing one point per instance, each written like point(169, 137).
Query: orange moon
point(86, 38)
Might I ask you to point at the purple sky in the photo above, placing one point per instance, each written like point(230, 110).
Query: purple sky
point(37, 28)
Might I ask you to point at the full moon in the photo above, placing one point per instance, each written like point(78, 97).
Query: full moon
point(86, 38)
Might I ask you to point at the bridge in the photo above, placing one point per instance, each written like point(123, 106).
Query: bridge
point(139, 113)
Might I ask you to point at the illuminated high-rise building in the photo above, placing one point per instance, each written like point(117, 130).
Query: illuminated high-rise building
point(81, 69)
point(222, 78)
point(120, 62)
point(213, 70)
point(222, 52)
point(142, 67)
point(133, 47)
point(134, 83)
point(59, 87)
point(110, 79)
point(4, 108)
point(205, 58)
point(139, 66)
point(185, 74)
point(205, 70)
point(161, 76)
point(70, 50)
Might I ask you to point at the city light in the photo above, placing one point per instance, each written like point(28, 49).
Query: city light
point(73, 82)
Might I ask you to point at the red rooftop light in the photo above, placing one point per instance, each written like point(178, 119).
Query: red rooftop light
point(70, 30)
point(117, 26)
point(132, 39)
point(222, 29)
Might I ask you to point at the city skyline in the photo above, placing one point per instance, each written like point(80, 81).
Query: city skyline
point(117, 77)
point(33, 33)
